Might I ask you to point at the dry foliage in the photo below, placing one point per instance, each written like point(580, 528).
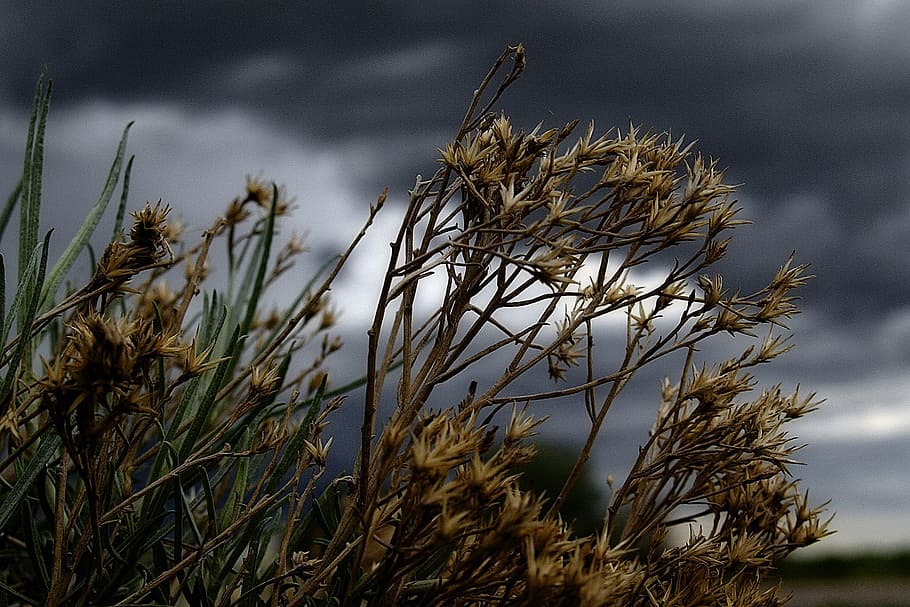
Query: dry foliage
point(168, 453)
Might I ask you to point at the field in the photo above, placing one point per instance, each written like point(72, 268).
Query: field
point(848, 593)
point(879, 580)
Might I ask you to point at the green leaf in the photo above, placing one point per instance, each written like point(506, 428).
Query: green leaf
point(190, 508)
point(3, 326)
point(159, 556)
point(199, 413)
point(11, 203)
point(8, 590)
point(247, 599)
point(319, 525)
point(291, 451)
point(209, 503)
point(26, 181)
point(29, 292)
point(208, 333)
point(179, 510)
point(295, 445)
point(198, 594)
point(11, 501)
point(217, 382)
point(242, 440)
point(34, 544)
point(68, 258)
point(231, 509)
point(121, 208)
point(215, 317)
point(263, 260)
point(29, 211)
point(23, 290)
point(260, 411)
point(247, 300)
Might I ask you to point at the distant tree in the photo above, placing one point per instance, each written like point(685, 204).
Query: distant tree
point(585, 506)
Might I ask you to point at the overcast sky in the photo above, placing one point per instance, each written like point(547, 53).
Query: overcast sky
point(807, 103)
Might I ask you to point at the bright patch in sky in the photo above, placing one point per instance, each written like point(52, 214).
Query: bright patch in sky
point(875, 408)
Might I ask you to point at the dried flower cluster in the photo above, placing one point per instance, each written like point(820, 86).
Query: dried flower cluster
point(162, 453)
point(136, 402)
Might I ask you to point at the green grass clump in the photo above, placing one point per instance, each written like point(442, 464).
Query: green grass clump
point(163, 438)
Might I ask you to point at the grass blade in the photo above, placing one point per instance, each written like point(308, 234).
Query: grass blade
point(231, 509)
point(217, 382)
point(11, 203)
point(208, 333)
point(295, 445)
point(26, 181)
point(29, 211)
point(258, 412)
point(11, 501)
point(209, 502)
point(27, 310)
point(291, 451)
point(7, 590)
point(179, 510)
point(252, 560)
point(263, 261)
point(68, 258)
point(35, 546)
point(3, 300)
point(19, 296)
point(121, 208)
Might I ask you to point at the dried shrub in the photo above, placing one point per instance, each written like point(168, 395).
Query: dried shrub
point(166, 450)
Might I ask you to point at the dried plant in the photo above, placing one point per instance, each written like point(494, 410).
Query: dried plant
point(161, 451)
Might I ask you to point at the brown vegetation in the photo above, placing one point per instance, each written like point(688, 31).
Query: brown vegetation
point(167, 452)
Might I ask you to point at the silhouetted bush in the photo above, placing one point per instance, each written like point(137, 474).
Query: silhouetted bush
point(162, 437)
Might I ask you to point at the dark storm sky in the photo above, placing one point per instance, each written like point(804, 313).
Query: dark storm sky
point(807, 103)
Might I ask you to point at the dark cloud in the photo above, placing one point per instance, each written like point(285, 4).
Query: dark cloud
point(788, 95)
point(808, 104)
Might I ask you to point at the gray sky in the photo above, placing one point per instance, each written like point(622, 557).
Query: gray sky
point(807, 103)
